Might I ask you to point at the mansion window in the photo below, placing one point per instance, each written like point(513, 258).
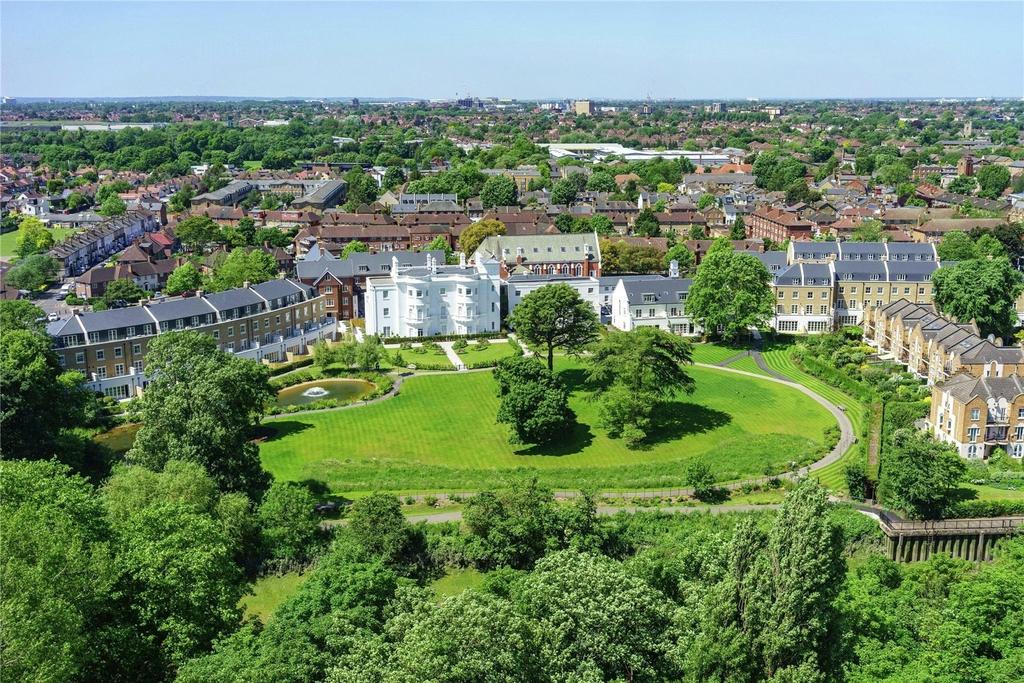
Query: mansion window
point(972, 434)
point(975, 414)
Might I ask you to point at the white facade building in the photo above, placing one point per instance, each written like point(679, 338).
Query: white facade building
point(653, 301)
point(431, 300)
point(518, 286)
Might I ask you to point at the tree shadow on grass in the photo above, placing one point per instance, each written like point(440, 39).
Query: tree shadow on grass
point(574, 441)
point(278, 429)
point(675, 419)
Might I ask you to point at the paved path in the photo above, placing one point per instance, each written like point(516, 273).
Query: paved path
point(732, 359)
point(449, 350)
point(609, 510)
point(846, 439)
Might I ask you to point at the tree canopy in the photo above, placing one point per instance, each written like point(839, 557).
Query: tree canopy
point(731, 292)
point(555, 316)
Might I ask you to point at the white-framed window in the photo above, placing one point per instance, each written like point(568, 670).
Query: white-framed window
point(118, 369)
point(118, 352)
point(136, 348)
point(80, 357)
point(100, 354)
point(972, 434)
point(975, 414)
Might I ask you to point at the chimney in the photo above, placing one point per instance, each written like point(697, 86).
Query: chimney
point(673, 268)
point(462, 259)
point(200, 293)
point(394, 264)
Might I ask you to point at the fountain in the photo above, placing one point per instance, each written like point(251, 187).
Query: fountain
point(344, 390)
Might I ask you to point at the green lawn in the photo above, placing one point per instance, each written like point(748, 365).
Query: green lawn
point(747, 364)
point(457, 581)
point(714, 353)
point(269, 592)
point(431, 360)
point(8, 240)
point(832, 476)
point(492, 354)
point(439, 434)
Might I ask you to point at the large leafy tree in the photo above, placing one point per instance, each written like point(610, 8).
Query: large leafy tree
point(185, 278)
point(243, 265)
point(123, 290)
point(376, 522)
point(920, 474)
point(33, 237)
point(597, 622)
point(683, 257)
point(772, 615)
point(647, 224)
point(203, 405)
point(289, 524)
point(57, 572)
point(621, 257)
point(634, 372)
point(471, 637)
point(472, 236)
point(499, 190)
point(32, 272)
point(512, 527)
point(39, 400)
point(532, 401)
point(555, 316)
point(731, 291)
point(992, 180)
point(195, 232)
point(564, 192)
point(982, 290)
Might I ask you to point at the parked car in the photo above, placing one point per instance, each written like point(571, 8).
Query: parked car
point(53, 317)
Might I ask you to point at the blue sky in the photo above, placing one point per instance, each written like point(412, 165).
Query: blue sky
point(686, 50)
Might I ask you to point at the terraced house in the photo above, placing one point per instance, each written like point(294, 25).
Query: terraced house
point(264, 322)
point(978, 414)
point(936, 348)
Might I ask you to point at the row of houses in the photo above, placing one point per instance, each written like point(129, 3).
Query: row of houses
point(265, 322)
point(977, 383)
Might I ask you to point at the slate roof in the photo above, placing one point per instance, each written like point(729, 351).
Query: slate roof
point(964, 387)
point(665, 290)
point(805, 275)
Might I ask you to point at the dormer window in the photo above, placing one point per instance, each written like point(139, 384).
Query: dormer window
point(648, 298)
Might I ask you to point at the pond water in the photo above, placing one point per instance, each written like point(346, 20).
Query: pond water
point(341, 389)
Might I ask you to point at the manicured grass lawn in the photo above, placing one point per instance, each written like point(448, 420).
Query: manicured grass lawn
point(747, 364)
point(714, 353)
point(492, 354)
point(457, 581)
point(832, 476)
point(8, 240)
point(431, 360)
point(269, 592)
point(440, 434)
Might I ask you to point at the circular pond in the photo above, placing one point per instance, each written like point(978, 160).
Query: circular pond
point(344, 390)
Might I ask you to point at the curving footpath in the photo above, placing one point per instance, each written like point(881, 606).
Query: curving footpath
point(846, 439)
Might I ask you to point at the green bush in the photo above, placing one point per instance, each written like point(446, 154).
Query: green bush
point(985, 508)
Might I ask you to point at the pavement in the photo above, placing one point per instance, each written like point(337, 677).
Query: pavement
point(609, 510)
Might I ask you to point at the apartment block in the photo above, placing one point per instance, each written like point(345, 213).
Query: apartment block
point(264, 322)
